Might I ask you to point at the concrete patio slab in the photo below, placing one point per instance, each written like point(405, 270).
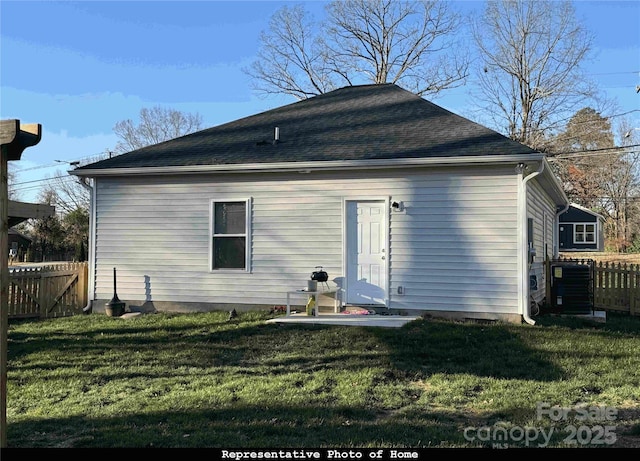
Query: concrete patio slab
point(387, 321)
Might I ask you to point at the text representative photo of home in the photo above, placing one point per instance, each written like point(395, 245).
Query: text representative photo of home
point(407, 207)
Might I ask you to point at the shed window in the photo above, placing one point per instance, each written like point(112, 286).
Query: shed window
point(230, 234)
point(584, 233)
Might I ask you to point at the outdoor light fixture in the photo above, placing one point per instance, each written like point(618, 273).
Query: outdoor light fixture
point(397, 206)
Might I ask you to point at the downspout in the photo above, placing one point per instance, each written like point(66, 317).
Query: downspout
point(524, 247)
point(556, 231)
point(92, 225)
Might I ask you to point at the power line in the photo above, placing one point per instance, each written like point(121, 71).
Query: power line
point(39, 180)
point(602, 117)
point(28, 186)
point(618, 73)
point(30, 183)
point(79, 159)
point(36, 168)
point(591, 152)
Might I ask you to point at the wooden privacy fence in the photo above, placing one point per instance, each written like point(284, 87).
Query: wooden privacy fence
point(617, 287)
point(57, 290)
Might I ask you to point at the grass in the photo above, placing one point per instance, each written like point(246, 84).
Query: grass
point(200, 380)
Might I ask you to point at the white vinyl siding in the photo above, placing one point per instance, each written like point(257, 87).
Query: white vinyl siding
point(452, 248)
point(541, 209)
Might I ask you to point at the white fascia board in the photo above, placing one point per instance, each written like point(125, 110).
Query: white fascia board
point(312, 166)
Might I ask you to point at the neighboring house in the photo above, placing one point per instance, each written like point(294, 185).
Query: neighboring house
point(407, 207)
point(580, 229)
point(17, 213)
point(18, 246)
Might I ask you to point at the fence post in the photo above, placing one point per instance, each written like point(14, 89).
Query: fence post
point(607, 285)
point(633, 285)
point(624, 285)
point(42, 293)
point(83, 277)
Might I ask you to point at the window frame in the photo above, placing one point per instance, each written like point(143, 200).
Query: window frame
point(247, 234)
point(584, 233)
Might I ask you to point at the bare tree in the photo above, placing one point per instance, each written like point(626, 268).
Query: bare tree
point(410, 43)
point(156, 125)
point(11, 180)
point(531, 52)
point(291, 58)
point(66, 193)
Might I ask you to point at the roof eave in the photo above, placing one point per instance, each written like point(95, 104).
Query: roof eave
point(553, 185)
point(310, 166)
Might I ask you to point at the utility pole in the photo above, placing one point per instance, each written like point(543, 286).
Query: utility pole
point(14, 139)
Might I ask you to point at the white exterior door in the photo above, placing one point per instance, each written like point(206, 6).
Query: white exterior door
point(366, 252)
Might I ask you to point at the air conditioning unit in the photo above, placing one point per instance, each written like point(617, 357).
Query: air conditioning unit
point(572, 288)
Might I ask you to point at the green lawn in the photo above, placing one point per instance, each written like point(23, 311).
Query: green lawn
point(200, 380)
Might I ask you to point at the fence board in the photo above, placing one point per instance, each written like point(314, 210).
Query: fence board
point(48, 291)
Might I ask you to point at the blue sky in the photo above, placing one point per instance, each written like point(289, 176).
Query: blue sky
point(78, 68)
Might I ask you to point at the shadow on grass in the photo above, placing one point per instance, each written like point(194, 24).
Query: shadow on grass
point(294, 427)
point(210, 345)
point(420, 348)
point(241, 426)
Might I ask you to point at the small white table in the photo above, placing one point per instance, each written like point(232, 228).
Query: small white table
point(317, 293)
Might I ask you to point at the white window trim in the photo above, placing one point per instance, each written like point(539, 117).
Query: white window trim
point(247, 235)
point(585, 242)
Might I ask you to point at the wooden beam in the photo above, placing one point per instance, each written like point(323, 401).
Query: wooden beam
point(14, 139)
point(21, 211)
point(4, 291)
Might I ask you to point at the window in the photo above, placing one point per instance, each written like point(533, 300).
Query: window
point(584, 233)
point(230, 234)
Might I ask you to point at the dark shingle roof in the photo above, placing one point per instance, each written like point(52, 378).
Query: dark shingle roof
point(353, 123)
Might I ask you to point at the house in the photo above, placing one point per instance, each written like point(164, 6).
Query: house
point(580, 229)
point(18, 245)
point(18, 212)
point(409, 208)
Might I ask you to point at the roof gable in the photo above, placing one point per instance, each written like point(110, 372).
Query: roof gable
point(366, 122)
point(578, 213)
